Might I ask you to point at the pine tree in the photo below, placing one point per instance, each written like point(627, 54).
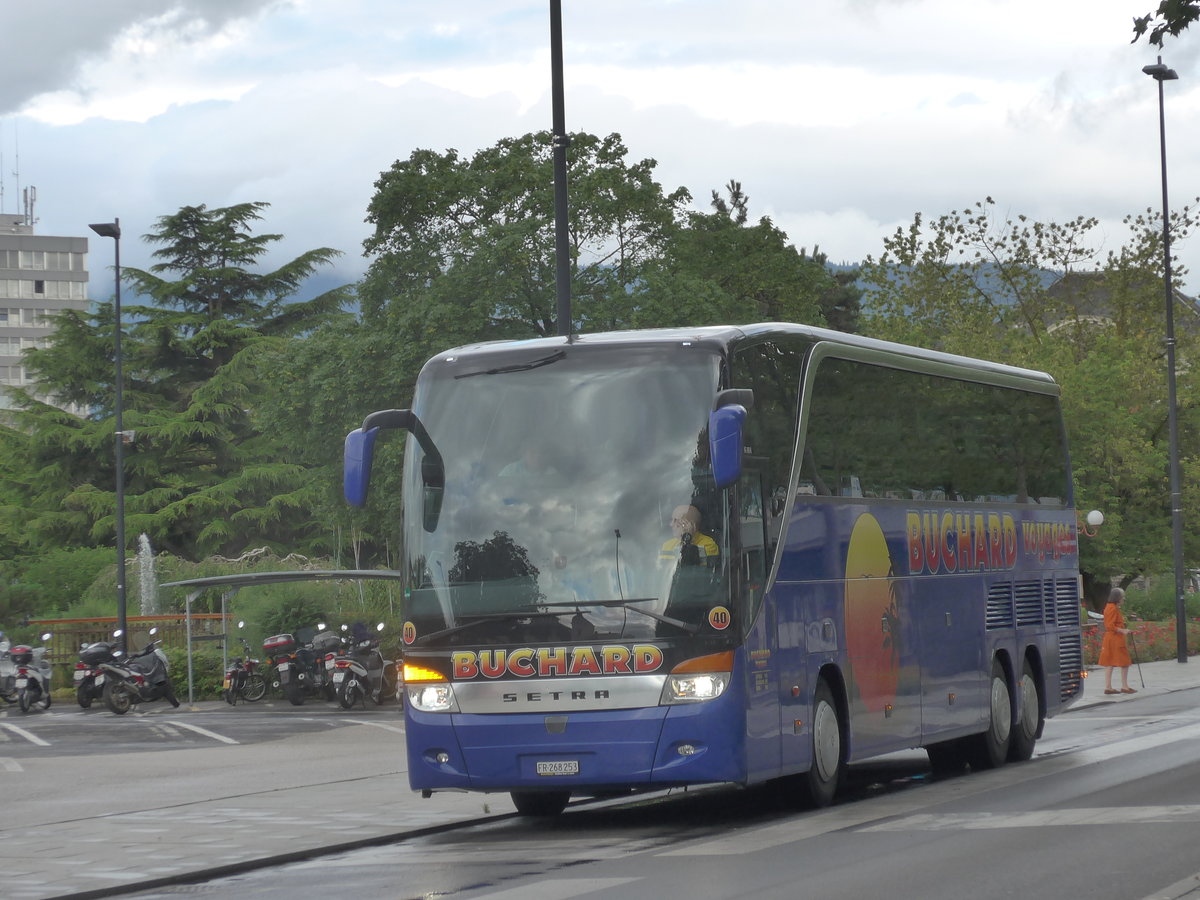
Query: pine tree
point(201, 475)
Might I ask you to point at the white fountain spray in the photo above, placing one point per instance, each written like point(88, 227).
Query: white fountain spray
point(147, 580)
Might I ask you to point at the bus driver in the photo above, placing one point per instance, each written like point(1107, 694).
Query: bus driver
point(689, 545)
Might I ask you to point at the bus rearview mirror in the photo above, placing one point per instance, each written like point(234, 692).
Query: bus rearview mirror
point(725, 443)
point(356, 473)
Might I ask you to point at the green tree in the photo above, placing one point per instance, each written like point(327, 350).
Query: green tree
point(1171, 17)
point(1039, 295)
point(202, 476)
point(466, 247)
point(50, 581)
point(716, 268)
point(318, 389)
point(962, 282)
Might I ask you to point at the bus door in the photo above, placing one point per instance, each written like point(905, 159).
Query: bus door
point(748, 582)
point(806, 601)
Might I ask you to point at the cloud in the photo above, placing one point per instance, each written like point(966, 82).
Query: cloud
point(841, 120)
point(67, 48)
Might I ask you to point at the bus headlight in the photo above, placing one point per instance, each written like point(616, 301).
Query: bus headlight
point(438, 697)
point(699, 679)
point(694, 688)
point(428, 690)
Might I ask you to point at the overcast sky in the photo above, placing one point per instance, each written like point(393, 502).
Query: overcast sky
point(841, 118)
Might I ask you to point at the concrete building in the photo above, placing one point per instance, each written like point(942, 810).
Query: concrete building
point(40, 275)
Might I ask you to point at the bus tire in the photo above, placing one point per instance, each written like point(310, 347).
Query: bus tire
point(820, 783)
point(1029, 719)
point(540, 803)
point(989, 750)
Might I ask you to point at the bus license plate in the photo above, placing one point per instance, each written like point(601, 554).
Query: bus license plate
point(559, 767)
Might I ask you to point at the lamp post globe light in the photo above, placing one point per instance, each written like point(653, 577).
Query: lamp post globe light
point(1161, 73)
point(113, 230)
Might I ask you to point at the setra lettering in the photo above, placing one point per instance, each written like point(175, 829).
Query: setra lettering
point(554, 696)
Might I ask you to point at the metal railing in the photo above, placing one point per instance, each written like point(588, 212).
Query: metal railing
point(67, 635)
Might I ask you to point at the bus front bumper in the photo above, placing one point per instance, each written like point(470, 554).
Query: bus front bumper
point(581, 752)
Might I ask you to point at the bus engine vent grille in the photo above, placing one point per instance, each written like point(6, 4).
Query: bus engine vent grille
point(1000, 605)
point(1070, 665)
point(1028, 595)
point(1066, 601)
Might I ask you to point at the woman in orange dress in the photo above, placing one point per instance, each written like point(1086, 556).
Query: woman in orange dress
point(1113, 652)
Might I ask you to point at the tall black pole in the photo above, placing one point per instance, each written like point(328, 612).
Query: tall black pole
point(562, 257)
point(1161, 73)
point(113, 230)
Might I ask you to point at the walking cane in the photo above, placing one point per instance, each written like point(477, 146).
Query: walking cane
point(1133, 644)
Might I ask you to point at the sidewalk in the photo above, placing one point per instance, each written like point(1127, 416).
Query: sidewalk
point(1161, 677)
point(111, 824)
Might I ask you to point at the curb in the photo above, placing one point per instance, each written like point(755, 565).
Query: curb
point(223, 871)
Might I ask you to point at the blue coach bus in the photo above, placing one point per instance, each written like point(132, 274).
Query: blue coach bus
point(648, 559)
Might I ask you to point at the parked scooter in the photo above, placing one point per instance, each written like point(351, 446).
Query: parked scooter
point(242, 678)
point(299, 662)
point(362, 671)
point(89, 676)
point(137, 678)
point(33, 675)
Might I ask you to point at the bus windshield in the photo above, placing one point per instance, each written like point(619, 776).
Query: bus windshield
point(578, 500)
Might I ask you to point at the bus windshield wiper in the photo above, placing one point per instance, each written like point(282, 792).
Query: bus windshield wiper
point(624, 604)
point(477, 620)
point(518, 367)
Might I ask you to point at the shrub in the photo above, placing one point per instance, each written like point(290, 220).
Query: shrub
point(1156, 601)
point(207, 674)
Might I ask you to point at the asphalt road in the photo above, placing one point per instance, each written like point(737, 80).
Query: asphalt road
point(67, 730)
point(97, 804)
point(1109, 809)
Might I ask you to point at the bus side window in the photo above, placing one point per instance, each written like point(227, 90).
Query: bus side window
point(753, 529)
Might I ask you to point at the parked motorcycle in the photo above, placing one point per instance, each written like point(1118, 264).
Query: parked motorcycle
point(137, 678)
point(89, 676)
point(299, 661)
point(362, 671)
point(242, 678)
point(33, 675)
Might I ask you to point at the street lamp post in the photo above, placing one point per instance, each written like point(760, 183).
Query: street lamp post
point(1161, 73)
point(562, 247)
point(113, 230)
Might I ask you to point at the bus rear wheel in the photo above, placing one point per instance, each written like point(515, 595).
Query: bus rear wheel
point(1029, 720)
point(989, 750)
point(540, 803)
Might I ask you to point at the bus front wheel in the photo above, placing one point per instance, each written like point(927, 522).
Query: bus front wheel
point(817, 786)
point(990, 749)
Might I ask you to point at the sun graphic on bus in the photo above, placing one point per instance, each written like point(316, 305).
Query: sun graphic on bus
point(872, 619)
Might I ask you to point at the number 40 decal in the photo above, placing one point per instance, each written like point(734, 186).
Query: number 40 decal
point(719, 618)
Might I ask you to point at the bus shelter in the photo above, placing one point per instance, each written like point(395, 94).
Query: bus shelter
point(231, 584)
